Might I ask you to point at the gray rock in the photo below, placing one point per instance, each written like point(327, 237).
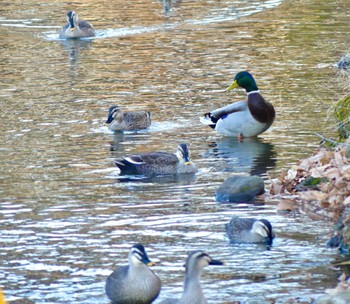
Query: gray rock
point(240, 189)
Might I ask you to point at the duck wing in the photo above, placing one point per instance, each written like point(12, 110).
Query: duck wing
point(148, 163)
point(211, 118)
point(234, 107)
point(240, 224)
point(137, 119)
point(84, 25)
point(153, 158)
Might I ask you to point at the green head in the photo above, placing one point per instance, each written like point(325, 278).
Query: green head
point(244, 80)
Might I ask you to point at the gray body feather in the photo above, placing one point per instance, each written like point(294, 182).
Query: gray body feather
point(250, 230)
point(134, 283)
point(193, 293)
point(157, 163)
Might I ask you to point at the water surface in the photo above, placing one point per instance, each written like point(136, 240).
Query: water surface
point(68, 219)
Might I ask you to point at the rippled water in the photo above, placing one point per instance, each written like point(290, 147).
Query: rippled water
point(67, 218)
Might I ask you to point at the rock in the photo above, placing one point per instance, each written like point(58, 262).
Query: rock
point(341, 235)
point(240, 189)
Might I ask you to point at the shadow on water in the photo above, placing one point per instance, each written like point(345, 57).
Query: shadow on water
point(181, 179)
point(237, 246)
point(252, 156)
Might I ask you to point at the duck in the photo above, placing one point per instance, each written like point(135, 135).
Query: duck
point(192, 291)
point(75, 28)
point(134, 283)
point(119, 120)
point(157, 163)
point(250, 230)
point(246, 118)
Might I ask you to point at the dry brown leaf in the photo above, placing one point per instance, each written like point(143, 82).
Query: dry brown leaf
point(340, 183)
point(313, 195)
point(346, 169)
point(338, 157)
point(319, 171)
point(276, 187)
point(346, 202)
point(335, 200)
point(286, 205)
point(333, 173)
point(291, 174)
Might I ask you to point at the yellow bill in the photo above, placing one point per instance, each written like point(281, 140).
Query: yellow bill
point(232, 86)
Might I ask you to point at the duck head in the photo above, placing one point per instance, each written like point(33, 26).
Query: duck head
point(183, 154)
point(243, 80)
point(138, 256)
point(263, 227)
point(72, 18)
point(115, 114)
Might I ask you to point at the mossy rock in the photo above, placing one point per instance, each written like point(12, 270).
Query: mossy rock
point(238, 189)
point(342, 115)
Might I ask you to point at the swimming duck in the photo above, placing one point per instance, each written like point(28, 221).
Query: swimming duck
point(128, 121)
point(158, 163)
point(246, 118)
point(134, 283)
point(250, 230)
point(75, 28)
point(192, 292)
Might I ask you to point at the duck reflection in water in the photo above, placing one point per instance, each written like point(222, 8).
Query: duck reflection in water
point(252, 155)
point(167, 5)
point(74, 47)
point(123, 139)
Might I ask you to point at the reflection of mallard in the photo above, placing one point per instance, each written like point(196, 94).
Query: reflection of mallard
point(250, 230)
point(157, 163)
point(243, 118)
point(134, 283)
point(192, 291)
point(75, 28)
point(252, 155)
point(128, 121)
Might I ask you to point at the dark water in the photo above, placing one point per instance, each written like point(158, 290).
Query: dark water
point(67, 219)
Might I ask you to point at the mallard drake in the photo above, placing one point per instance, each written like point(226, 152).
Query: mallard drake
point(75, 28)
point(128, 121)
point(246, 118)
point(158, 163)
point(192, 291)
point(250, 230)
point(134, 283)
